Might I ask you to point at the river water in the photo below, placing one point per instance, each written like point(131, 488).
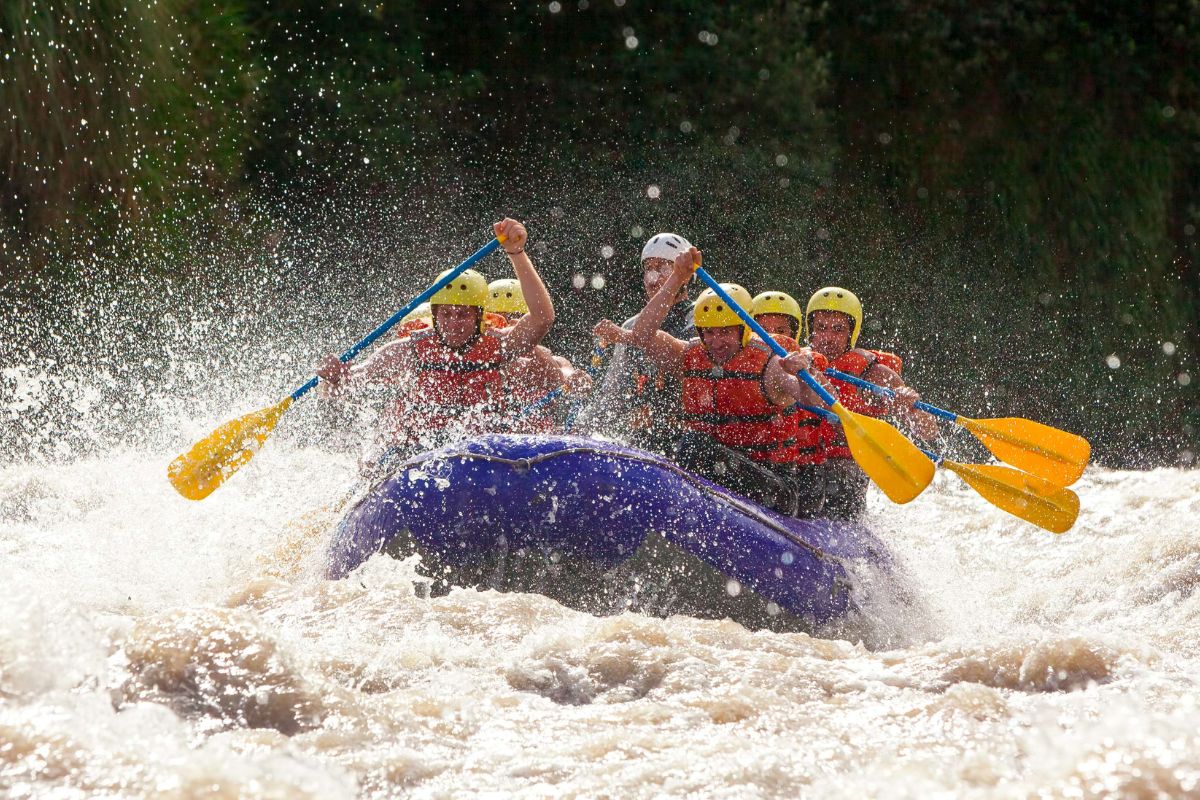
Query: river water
point(155, 647)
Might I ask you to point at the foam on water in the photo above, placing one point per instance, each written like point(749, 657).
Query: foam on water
point(151, 645)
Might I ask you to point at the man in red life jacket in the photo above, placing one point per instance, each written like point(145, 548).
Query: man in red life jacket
point(780, 315)
point(834, 320)
point(736, 394)
point(451, 375)
point(530, 378)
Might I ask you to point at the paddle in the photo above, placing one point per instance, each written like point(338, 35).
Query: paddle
point(198, 472)
point(1029, 497)
point(884, 454)
point(1057, 456)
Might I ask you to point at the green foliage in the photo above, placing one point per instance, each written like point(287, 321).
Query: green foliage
point(1044, 142)
point(1010, 185)
point(337, 97)
point(114, 107)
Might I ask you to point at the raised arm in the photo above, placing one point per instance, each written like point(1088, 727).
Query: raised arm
point(533, 327)
point(650, 319)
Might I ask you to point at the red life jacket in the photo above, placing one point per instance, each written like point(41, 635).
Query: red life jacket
point(861, 401)
point(728, 403)
point(810, 443)
point(451, 384)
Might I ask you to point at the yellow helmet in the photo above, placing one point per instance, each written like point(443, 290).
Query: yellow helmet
point(468, 289)
point(835, 298)
point(505, 297)
point(421, 312)
point(778, 303)
point(712, 312)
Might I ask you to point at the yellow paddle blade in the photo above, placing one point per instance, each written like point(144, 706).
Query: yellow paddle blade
point(1047, 452)
point(1029, 497)
point(199, 471)
point(891, 460)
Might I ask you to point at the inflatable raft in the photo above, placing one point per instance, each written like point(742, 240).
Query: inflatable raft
point(603, 527)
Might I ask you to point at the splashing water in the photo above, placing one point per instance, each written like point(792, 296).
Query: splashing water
point(152, 646)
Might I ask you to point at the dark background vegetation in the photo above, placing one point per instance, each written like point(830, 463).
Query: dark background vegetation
point(1013, 188)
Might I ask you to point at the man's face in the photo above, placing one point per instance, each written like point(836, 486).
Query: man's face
point(655, 272)
point(722, 343)
point(456, 324)
point(830, 334)
point(778, 324)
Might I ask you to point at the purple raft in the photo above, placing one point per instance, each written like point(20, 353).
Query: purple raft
point(604, 527)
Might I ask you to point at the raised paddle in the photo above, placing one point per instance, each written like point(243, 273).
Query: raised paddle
point(884, 454)
point(1057, 456)
point(1029, 497)
point(199, 471)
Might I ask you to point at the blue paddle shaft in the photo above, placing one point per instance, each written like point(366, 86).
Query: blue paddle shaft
point(920, 405)
point(824, 413)
point(762, 334)
point(370, 338)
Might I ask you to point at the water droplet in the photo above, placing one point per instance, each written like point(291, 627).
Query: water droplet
point(1113, 361)
point(733, 588)
point(606, 251)
point(631, 42)
point(652, 191)
point(598, 281)
point(685, 126)
point(578, 280)
point(781, 160)
point(1184, 379)
point(637, 231)
point(1169, 348)
point(555, 7)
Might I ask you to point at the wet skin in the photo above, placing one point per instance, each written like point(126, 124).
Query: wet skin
point(830, 333)
point(457, 325)
point(655, 272)
point(777, 324)
point(722, 343)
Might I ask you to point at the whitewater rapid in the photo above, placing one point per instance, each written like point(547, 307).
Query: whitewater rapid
point(155, 647)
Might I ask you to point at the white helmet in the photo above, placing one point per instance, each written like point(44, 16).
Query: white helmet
point(665, 245)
